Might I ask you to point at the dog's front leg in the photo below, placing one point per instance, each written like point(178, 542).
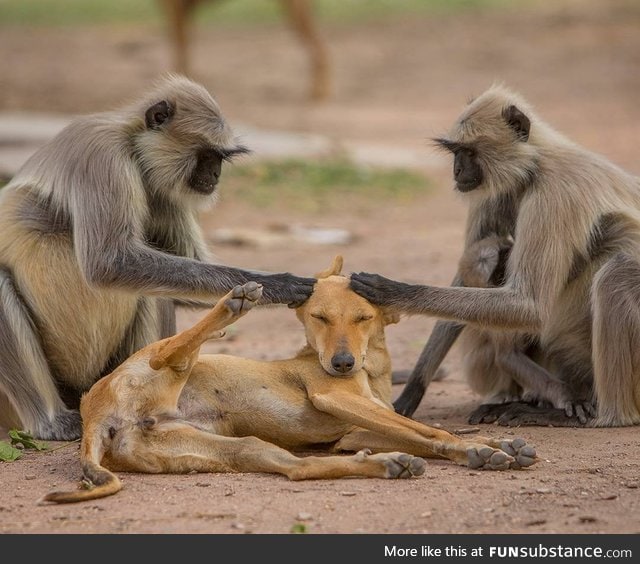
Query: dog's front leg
point(411, 436)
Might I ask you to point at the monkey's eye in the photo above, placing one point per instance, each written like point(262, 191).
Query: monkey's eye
point(320, 317)
point(228, 155)
point(449, 145)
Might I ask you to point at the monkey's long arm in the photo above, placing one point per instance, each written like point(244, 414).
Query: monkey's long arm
point(502, 308)
point(110, 244)
point(153, 272)
point(442, 338)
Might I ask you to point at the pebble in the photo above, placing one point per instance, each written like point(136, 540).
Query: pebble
point(304, 516)
point(535, 522)
point(348, 494)
point(30, 477)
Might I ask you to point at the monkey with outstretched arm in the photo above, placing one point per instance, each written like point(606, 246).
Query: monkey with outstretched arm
point(573, 275)
point(100, 239)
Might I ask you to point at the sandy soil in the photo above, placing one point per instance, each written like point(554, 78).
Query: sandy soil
point(396, 83)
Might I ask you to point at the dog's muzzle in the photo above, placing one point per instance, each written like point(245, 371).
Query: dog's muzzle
point(343, 362)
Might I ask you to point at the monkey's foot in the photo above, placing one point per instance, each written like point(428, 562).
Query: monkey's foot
point(521, 414)
point(243, 298)
point(66, 426)
point(488, 412)
point(397, 464)
point(582, 410)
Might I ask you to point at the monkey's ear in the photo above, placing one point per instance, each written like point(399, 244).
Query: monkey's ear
point(517, 121)
point(159, 114)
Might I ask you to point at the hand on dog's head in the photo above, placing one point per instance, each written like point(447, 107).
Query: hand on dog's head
point(340, 324)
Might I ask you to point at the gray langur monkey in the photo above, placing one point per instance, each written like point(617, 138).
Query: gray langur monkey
point(573, 275)
point(508, 366)
point(100, 239)
point(500, 365)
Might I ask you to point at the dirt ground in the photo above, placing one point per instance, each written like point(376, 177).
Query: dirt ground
point(396, 83)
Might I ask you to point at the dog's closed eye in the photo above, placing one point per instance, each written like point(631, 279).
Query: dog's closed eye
point(363, 317)
point(320, 317)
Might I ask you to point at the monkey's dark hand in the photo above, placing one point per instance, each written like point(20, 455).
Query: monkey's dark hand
point(284, 288)
point(378, 289)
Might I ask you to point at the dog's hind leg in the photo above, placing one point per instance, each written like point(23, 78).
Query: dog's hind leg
point(178, 351)
point(177, 447)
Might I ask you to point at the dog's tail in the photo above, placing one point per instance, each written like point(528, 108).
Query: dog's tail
point(97, 481)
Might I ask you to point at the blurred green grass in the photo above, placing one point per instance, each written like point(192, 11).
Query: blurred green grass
point(223, 12)
point(322, 184)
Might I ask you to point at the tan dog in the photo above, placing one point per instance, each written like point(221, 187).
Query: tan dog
point(168, 410)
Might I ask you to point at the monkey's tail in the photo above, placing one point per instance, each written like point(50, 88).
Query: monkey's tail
point(97, 482)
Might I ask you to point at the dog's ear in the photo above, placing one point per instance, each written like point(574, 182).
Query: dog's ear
point(334, 269)
point(390, 317)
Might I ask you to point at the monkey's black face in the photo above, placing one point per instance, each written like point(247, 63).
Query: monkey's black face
point(467, 172)
point(206, 174)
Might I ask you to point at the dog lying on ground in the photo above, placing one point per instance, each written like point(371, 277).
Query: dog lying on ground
point(168, 409)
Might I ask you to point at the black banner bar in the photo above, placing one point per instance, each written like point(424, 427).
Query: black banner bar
point(323, 549)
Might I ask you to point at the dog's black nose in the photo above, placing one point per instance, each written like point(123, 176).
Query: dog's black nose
point(343, 362)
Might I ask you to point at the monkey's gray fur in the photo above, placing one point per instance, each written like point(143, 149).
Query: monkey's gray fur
point(492, 216)
point(573, 275)
point(99, 238)
point(501, 366)
point(508, 366)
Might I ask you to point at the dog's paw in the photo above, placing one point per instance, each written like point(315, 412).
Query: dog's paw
point(243, 298)
point(400, 464)
point(524, 455)
point(483, 457)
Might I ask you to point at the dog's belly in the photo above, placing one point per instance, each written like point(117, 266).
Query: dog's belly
point(241, 397)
